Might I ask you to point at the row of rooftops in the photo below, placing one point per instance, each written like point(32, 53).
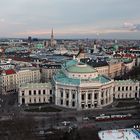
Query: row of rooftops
point(105, 62)
point(95, 63)
point(51, 66)
point(8, 72)
point(14, 71)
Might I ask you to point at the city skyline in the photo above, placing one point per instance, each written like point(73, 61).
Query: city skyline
point(107, 19)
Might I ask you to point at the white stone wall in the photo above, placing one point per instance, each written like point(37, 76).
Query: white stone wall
point(28, 76)
point(10, 83)
point(126, 89)
point(33, 96)
point(66, 96)
point(85, 97)
point(103, 70)
point(47, 74)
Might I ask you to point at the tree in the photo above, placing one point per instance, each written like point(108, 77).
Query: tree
point(18, 129)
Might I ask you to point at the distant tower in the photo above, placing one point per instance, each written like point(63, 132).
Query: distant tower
point(95, 47)
point(29, 40)
point(52, 39)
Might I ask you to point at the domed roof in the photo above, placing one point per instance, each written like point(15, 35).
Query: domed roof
point(81, 68)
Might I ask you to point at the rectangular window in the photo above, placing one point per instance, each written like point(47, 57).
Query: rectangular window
point(73, 96)
point(67, 103)
point(30, 92)
point(89, 96)
point(50, 92)
point(73, 104)
point(39, 92)
point(61, 102)
point(102, 102)
point(61, 94)
point(122, 88)
point(118, 88)
point(67, 95)
point(89, 105)
point(126, 88)
point(136, 88)
point(34, 92)
point(83, 96)
point(44, 91)
point(95, 96)
point(130, 88)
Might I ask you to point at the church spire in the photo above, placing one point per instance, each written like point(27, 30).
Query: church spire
point(52, 34)
point(52, 39)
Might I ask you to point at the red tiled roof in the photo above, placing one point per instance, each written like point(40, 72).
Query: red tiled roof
point(21, 59)
point(129, 55)
point(10, 71)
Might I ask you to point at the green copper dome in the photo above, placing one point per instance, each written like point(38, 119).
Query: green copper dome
point(81, 68)
point(39, 46)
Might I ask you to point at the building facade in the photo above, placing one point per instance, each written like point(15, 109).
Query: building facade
point(11, 79)
point(115, 69)
point(48, 70)
point(33, 93)
point(8, 81)
point(79, 86)
point(126, 89)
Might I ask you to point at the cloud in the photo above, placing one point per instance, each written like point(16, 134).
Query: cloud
point(131, 26)
point(73, 31)
point(2, 20)
point(18, 23)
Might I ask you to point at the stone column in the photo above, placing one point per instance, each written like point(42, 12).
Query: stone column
point(78, 99)
point(112, 94)
point(86, 97)
point(92, 100)
point(64, 98)
point(70, 98)
point(56, 96)
point(99, 99)
point(104, 96)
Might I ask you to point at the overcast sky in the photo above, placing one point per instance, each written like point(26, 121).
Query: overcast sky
point(70, 18)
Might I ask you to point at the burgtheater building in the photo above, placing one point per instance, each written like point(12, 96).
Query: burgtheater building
point(79, 86)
